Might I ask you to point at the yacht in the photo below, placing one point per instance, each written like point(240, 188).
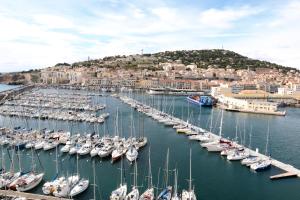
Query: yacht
point(50, 145)
point(250, 160)
point(261, 164)
point(85, 149)
point(80, 187)
point(131, 154)
point(134, 193)
point(121, 191)
point(27, 182)
point(149, 193)
point(67, 147)
point(95, 150)
point(190, 193)
point(105, 151)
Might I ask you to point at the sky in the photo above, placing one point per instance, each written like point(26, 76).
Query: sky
point(37, 34)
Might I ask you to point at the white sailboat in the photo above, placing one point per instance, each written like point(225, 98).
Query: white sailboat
point(121, 191)
point(134, 193)
point(190, 193)
point(175, 195)
point(27, 181)
point(149, 193)
point(6, 178)
point(50, 186)
point(80, 186)
point(220, 144)
point(132, 152)
point(166, 194)
point(264, 163)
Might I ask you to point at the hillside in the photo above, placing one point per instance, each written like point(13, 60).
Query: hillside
point(217, 58)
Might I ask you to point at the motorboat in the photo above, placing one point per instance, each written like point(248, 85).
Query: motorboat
point(238, 155)
point(85, 149)
point(250, 160)
point(105, 151)
point(39, 145)
point(261, 165)
point(95, 150)
point(50, 145)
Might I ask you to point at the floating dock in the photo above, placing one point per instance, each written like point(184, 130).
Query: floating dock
point(28, 196)
point(289, 170)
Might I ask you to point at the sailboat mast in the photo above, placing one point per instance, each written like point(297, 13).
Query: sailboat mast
point(268, 135)
point(175, 182)
point(149, 172)
point(135, 175)
point(167, 168)
point(2, 159)
point(221, 124)
point(19, 157)
point(211, 120)
point(77, 164)
point(190, 180)
point(121, 172)
point(32, 160)
point(56, 160)
point(94, 179)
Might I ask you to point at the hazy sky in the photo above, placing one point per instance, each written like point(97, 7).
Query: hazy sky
point(41, 33)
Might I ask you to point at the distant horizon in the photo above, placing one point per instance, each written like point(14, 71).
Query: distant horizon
point(39, 34)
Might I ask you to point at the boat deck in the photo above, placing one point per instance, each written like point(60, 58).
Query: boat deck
point(28, 196)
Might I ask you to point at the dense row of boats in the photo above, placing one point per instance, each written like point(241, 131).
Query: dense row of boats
point(65, 115)
point(61, 186)
point(167, 192)
point(57, 101)
point(54, 106)
point(213, 143)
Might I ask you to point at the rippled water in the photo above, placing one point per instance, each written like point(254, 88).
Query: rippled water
point(213, 176)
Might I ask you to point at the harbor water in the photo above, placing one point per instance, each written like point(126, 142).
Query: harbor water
point(214, 177)
point(4, 87)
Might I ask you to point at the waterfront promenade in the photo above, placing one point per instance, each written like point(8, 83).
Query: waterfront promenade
point(28, 196)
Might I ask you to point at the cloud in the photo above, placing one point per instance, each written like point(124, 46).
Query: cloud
point(45, 36)
point(225, 18)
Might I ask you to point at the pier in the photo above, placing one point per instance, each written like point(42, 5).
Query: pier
point(28, 196)
point(7, 94)
point(289, 170)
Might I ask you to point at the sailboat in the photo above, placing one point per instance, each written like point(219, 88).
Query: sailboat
point(134, 193)
point(6, 178)
point(167, 192)
point(264, 163)
point(121, 191)
point(80, 186)
point(175, 192)
point(51, 186)
point(132, 152)
point(27, 181)
point(189, 194)
point(149, 193)
point(221, 144)
point(120, 148)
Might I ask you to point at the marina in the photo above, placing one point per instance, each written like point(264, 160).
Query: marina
point(190, 129)
point(107, 184)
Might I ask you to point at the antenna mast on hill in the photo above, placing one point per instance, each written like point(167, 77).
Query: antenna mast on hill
point(142, 51)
